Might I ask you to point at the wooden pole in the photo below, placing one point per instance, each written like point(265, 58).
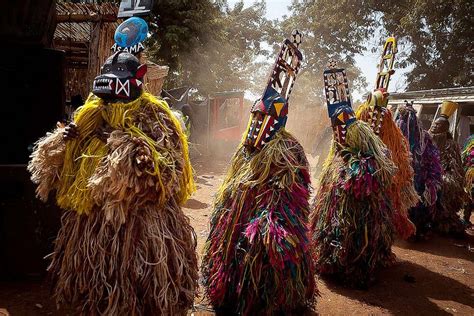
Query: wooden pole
point(94, 53)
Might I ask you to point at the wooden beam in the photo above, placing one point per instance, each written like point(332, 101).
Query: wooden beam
point(71, 48)
point(73, 55)
point(94, 53)
point(80, 18)
point(71, 43)
point(78, 53)
point(77, 66)
point(78, 59)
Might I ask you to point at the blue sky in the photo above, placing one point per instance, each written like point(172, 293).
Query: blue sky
point(366, 62)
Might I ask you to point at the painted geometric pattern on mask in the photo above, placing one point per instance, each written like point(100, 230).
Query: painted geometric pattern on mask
point(269, 113)
point(336, 88)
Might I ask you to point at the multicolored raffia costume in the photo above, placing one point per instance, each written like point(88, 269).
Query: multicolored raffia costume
point(468, 162)
point(257, 258)
point(351, 223)
point(374, 111)
point(452, 195)
point(426, 164)
point(121, 172)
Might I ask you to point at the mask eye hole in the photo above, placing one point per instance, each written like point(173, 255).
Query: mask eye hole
point(106, 69)
point(120, 68)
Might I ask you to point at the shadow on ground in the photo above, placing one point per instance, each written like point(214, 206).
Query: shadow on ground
point(400, 297)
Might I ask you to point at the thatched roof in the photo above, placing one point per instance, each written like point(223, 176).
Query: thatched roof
point(75, 29)
point(75, 20)
point(86, 12)
point(85, 31)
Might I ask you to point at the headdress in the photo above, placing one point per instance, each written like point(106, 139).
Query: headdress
point(338, 101)
point(121, 76)
point(441, 123)
point(269, 113)
point(448, 108)
point(378, 99)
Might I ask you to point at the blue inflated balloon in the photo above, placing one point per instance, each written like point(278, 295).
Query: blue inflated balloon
point(131, 32)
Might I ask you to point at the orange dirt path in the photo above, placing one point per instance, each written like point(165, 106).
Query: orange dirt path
point(434, 277)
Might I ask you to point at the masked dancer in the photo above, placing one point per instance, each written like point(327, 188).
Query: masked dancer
point(256, 258)
point(351, 223)
point(426, 165)
point(374, 111)
point(452, 195)
point(120, 171)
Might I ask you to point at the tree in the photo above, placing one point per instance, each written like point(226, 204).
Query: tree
point(337, 30)
point(439, 36)
point(208, 45)
point(183, 28)
point(436, 33)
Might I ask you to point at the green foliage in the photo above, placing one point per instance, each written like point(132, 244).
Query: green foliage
point(331, 30)
point(208, 45)
point(185, 31)
point(439, 36)
point(436, 35)
point(213, 47)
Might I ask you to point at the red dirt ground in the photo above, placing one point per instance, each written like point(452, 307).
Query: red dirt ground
point(433, 277)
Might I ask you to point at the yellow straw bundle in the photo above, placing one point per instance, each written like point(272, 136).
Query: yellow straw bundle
point(84, 153)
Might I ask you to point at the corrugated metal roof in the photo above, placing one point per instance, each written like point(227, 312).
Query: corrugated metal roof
point(461, 94)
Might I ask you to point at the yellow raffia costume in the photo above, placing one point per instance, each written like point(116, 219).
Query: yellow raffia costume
point(125, 245)
point(82, 157)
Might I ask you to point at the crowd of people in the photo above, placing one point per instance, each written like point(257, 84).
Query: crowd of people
point(121, 172)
